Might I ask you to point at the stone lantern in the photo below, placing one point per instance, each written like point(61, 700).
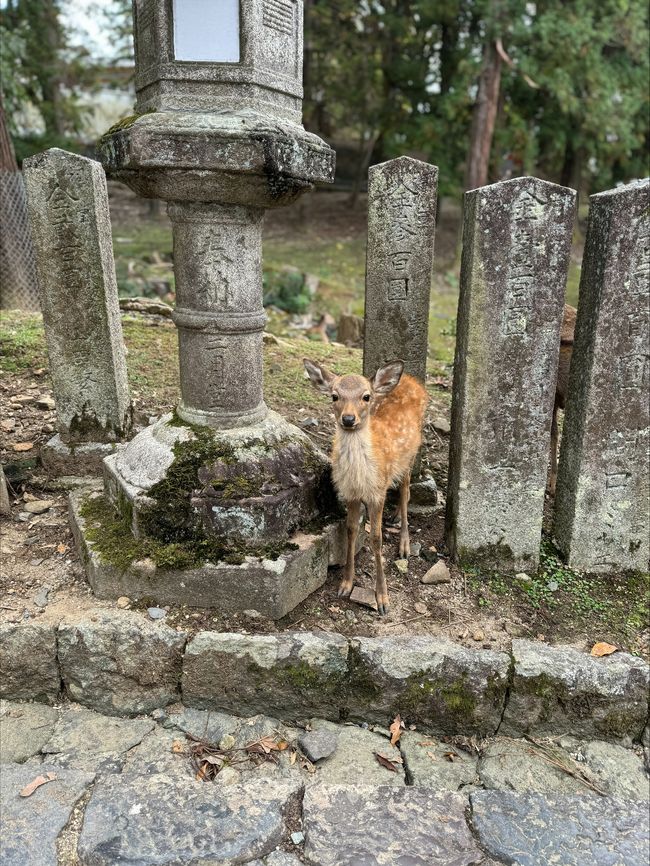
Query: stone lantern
point(217, 134)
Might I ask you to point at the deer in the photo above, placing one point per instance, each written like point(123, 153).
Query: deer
point(562, 386)
point(377, 436)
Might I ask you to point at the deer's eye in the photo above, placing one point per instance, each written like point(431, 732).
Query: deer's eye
point(366, 397)
point(335, 397)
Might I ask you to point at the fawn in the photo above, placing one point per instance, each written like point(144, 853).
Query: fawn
point(566, 349)
point(377, 437)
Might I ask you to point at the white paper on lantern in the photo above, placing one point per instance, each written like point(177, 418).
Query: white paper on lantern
point(206, 30)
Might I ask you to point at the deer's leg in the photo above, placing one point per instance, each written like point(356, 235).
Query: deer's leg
point(404, 496)
point(354, 510)
point(554, 435)
point(381, 591)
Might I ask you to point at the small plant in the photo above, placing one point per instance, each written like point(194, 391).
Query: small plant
point(286, 290)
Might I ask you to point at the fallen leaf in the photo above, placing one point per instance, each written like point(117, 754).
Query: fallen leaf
point(281, 745)
point(292, 758)
point(202, 772)
point(389, 765)
point(432, 756)
point(451, 756)
point(178, 747)
point(427, 743)
point(603, 649)
point(23, 446)
point(28, 790)
point(396, 730)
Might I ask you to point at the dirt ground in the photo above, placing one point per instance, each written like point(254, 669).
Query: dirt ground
point(41, 573)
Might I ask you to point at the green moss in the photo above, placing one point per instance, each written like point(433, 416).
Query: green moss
point(125, 123)
point(360, 683)
point(425, 698)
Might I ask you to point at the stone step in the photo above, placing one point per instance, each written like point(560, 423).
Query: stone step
point(122, 663)
point(126, 792)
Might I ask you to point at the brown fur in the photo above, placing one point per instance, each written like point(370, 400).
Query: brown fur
point(562, 387)
point(373, 454)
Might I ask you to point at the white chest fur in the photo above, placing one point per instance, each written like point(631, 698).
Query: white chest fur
point(354, 469)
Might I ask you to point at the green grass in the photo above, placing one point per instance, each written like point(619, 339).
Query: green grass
point(22, 346)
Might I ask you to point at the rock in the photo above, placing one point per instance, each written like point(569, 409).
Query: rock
point(441, 425)
point(432, 683)
point(428, 765)
point(558, 690)
point(227, 741)
point(38, 506)
point(438, 573)
point(121, 664)
point(429, 554)
point(402, 565)
point(5, 503)
point(207, 725)
point(24, 730)
point(228, 776)
point(160, 716)
point(31, 825)
point(416, 547)
point(531, 829)
point(155, 755)
point(45, 401)
point(319, 744)
point(479, 635)
point(424, 493)
point(85, 740)
point(156, 612)
point(134, 818)
point(281, 858)
point(355, 757)
point(522, 577)
point(123, 602)
point(420, 607)
point(291, 674)
point(28, 664)
point(252, 614)
point(621, 772)
point(40, 599)
point(364, 596)
point(414, 826)
point(519, 765)
point(298, 838)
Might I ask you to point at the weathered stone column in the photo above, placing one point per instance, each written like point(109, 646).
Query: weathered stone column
point(399, 258)
point(68, 206)
point(219, 312)
point(516, 244)
point(603, 489)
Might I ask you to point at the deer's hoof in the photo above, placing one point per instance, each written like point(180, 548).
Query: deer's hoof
point(382, 605)
point(404, 549)
point(345, 588)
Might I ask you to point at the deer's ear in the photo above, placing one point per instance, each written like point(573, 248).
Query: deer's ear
point(387, 377)
point(321, 377)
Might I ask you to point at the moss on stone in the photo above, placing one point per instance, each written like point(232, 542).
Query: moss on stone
point(360, 684)
point(125, 123)
point(425, 697)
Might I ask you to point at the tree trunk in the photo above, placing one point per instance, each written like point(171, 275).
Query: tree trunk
point(18, 281)
point(483, 118)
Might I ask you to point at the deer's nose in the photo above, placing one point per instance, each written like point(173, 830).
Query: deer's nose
point(348, 420)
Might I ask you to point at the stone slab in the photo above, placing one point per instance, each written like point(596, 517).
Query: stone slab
point(134, 818)
point(31, 825)
point(271, 586)
point(622, 773)
point(295, 675)
point(440, 686)
point(401, 228)
point(347, 825)
point(518, 765)
point(559, 690)
point(24, 730)
point(516, 247)
point(120, 664)
point(602, 521)
point(85, 740)
point(28, 663)
point(69, 215)
point(355, 758)
point(86, 458)
point(533, 830)
point(429, 765)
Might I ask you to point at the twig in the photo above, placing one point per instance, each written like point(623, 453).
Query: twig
point(412, 619)
point(577, 774)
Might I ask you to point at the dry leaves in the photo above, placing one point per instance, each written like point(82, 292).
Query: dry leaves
point(396, 730)
point(178, 747)
point(603, 649)
point(23, 446)
point(28, 790)
point(389, 763)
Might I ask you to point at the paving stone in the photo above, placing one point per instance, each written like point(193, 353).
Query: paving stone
point(155, 755)
point(24, 730)
point(621, 771)
point(293, 675)
point(28, 666)
point(428, 765)
point(31, 825)
point(86, 740)
point(132, 819)
point(558, 690)
point(354, 825)
point(518, 765)
point(281, 858)
point(355, 758)
point(439, 685)
point(121, 664)
point(533, 830)
point(318, 744)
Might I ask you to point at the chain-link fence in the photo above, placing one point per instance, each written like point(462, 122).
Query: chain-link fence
point(18, 279)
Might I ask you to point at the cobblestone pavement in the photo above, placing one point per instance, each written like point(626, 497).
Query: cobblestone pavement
point(126, 791)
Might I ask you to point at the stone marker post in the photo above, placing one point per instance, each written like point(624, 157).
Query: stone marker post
point(603, 489)
point(218, 135)
point(516, 244)
point(399, 258)
point(68, 206)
